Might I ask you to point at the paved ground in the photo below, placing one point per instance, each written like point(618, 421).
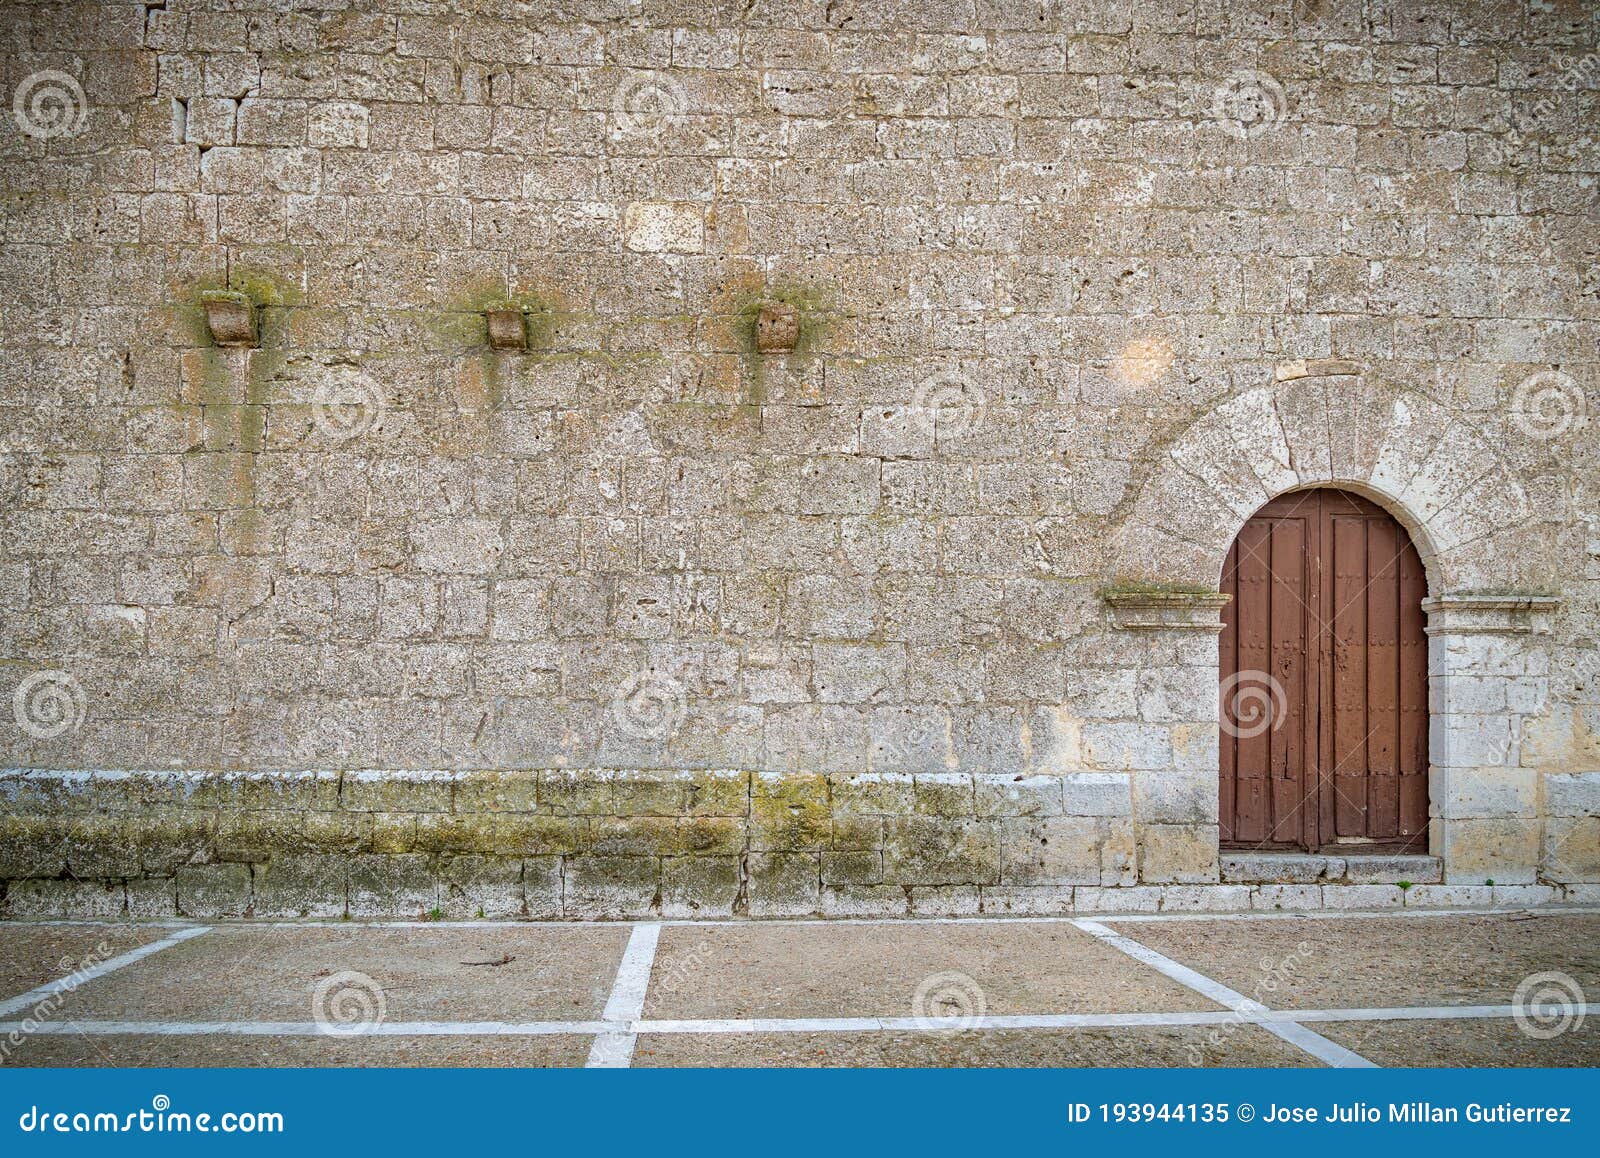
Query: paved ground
point(1496, 989)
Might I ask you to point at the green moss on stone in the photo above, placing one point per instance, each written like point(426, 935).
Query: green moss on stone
point(790, 812)
point(232, 296)
point(814, 314)
point(264, 288)
point(1153, 588)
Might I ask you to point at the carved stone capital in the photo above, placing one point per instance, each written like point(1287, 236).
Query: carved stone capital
point(1166, 610)
point(1490, 614)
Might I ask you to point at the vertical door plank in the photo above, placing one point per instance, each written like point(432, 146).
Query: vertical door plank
point(1383, 678)
point(1347, 625)
point(1251, 751)
point(1287, 668)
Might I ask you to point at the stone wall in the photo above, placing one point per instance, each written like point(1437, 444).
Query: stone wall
point(1077, 288)
point(596, 844)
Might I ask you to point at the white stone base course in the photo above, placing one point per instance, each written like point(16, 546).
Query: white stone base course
point(60, 900)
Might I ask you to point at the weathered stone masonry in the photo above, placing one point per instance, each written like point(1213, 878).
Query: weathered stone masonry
point(657, 615)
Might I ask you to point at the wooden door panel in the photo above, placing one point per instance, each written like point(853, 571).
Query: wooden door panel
point(1383, 679)
point(1347, 640)
point(1324, 628)
point(1286, 734)
point(1263, 702)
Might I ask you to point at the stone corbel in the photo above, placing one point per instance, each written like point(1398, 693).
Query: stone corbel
point(231, 319)
point(1490, 614)
point(507, 327)
point(1166, 610)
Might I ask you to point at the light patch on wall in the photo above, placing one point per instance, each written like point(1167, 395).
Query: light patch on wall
point(1143, 360)
point(663, 227)
point(1058, 746)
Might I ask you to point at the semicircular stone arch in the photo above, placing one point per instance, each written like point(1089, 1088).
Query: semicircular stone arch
point(1467, 512)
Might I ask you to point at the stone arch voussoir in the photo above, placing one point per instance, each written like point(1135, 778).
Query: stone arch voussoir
point(1468, 514)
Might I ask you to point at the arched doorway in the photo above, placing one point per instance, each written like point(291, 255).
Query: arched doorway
point(1324, 680)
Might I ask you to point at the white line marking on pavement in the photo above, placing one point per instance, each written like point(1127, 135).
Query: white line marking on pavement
point(313, 1029)
point(1262, 1017)
point(1412, 1013)
point(1319, 1047)
point(919, 1025)
point(614, 1050)
point(1346, 914)
point(73, 980)
point(100, 923)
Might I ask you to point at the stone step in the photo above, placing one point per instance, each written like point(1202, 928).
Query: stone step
point(1316, 868)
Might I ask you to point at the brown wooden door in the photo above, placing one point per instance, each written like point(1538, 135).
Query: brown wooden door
point(1324, 679)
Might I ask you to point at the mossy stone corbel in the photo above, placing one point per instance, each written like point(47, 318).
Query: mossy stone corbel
point(777, 327)
point(508, 326)
point(777, 322)
point(230, 318)
point(780, 319)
